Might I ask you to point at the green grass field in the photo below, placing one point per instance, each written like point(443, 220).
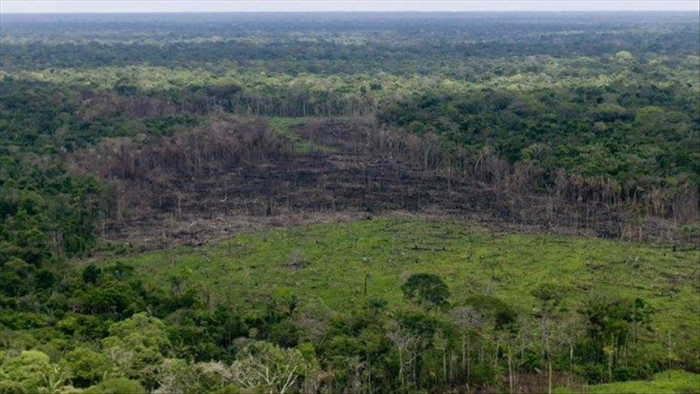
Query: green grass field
point(665, 382)
point(328, 265)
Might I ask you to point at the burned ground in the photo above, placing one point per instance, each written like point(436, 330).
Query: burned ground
point(236, 175)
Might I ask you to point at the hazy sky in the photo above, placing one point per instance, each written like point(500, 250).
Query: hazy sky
point(14, 6)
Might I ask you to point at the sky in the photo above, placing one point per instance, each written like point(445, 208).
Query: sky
point(56, 6)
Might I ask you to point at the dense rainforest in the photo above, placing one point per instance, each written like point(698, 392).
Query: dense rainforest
point(131, 143)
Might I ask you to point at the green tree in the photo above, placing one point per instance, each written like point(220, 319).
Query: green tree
point(624, 56)
point(32, 371)
point(427, 290)
point(136, 346)
point(87, 366)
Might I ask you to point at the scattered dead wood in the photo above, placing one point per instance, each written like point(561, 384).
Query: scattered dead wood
point(237, 175)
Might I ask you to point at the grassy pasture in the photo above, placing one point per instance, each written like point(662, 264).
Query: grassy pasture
point(331, 265)
point(662, 383)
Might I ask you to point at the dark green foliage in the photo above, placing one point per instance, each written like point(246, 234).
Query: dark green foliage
point(91, 274)
point(87, 366)
point(610, 321)
point(428, 290)
point(45, 212)
point(206, 335)
point(112, 298)
point(553, 129)
point(498, 312)
point(285, 334)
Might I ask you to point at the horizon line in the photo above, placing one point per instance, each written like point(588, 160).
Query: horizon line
point(339, 6)
point(599, 11)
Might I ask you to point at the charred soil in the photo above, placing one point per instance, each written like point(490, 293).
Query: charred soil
point(236, 175)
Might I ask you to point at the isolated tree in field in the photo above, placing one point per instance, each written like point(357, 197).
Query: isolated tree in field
point(428, 290)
